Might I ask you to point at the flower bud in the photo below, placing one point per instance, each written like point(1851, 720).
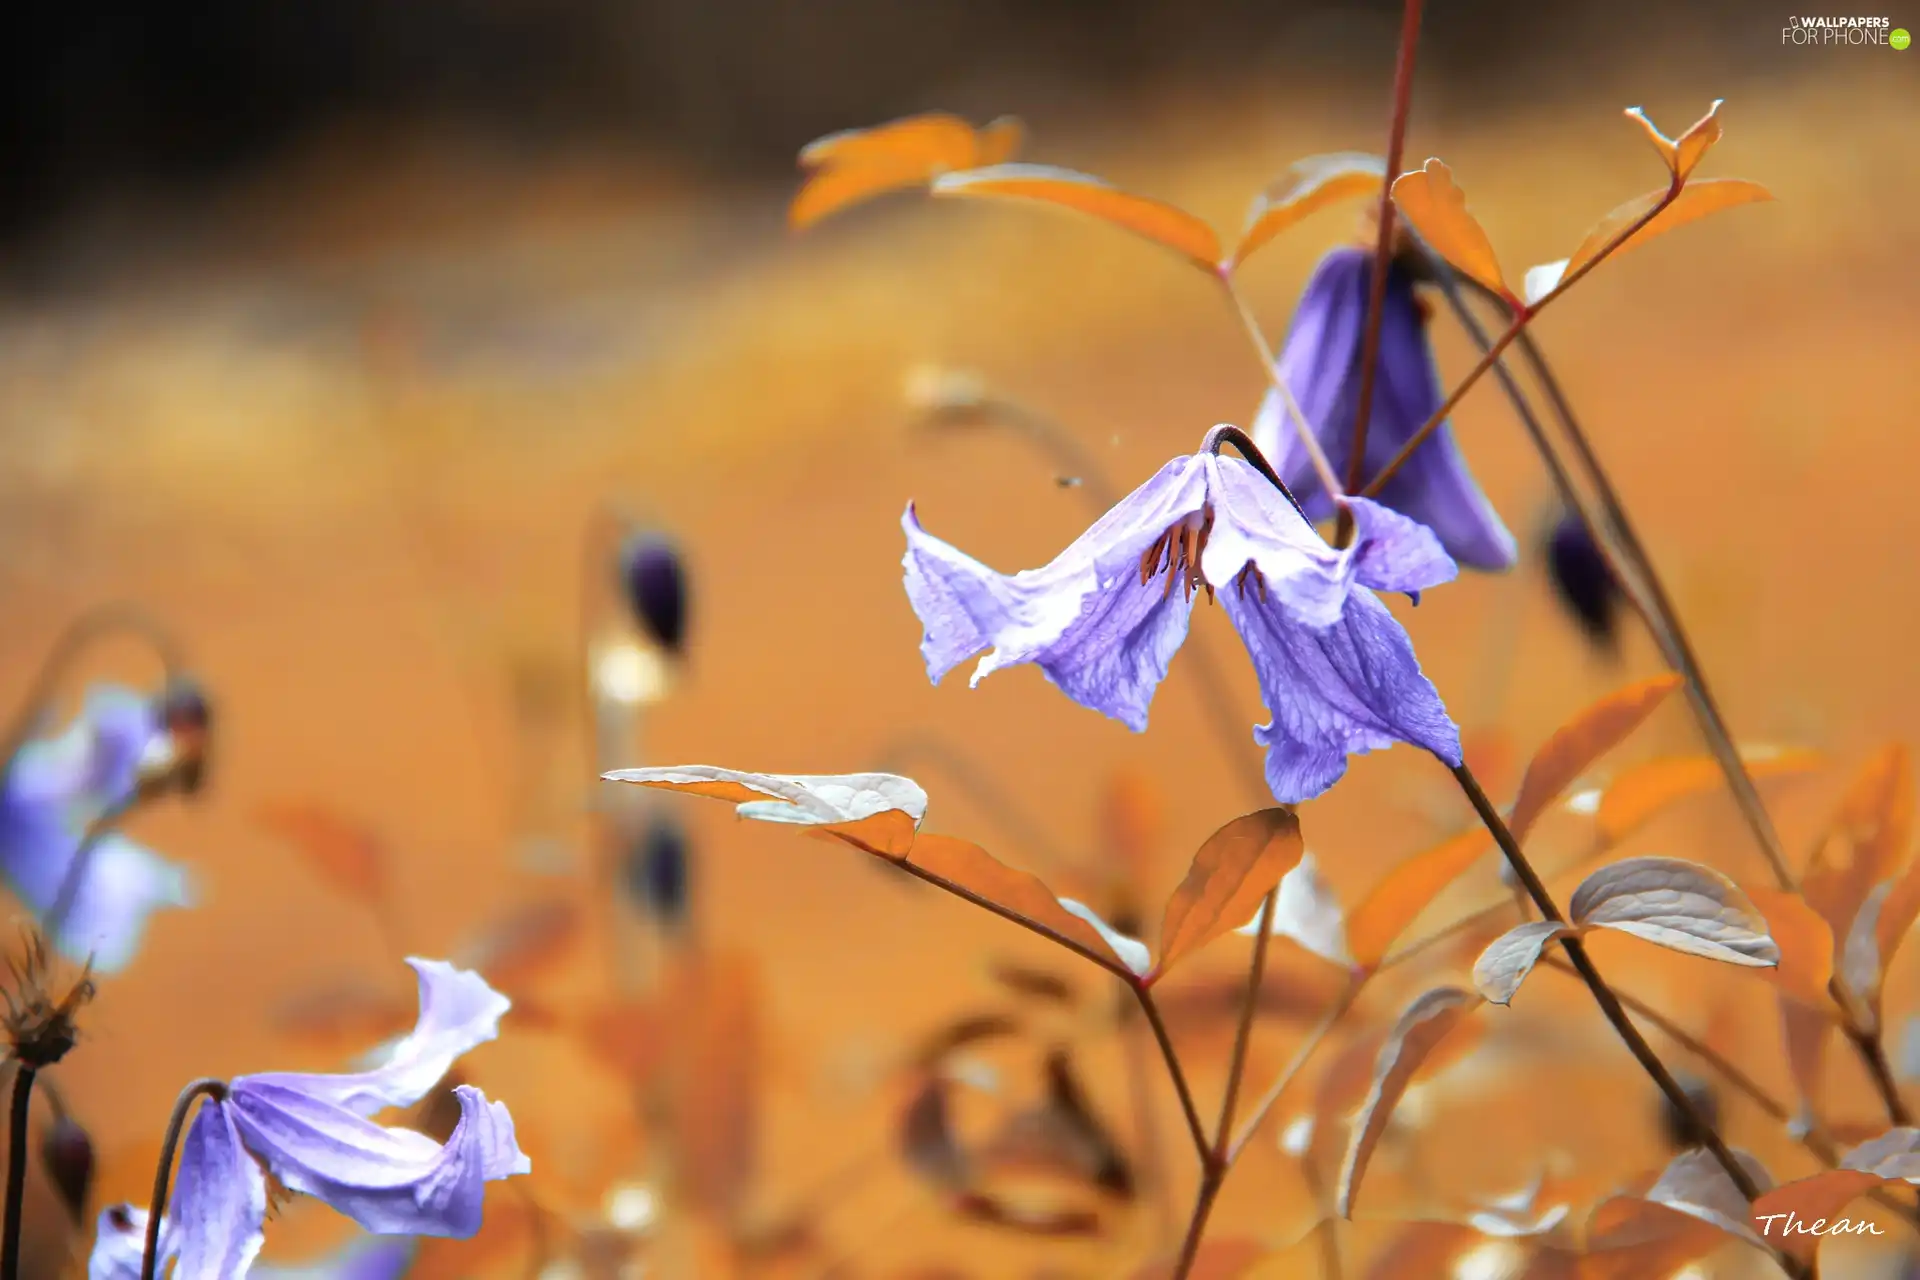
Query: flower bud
point(67, 1152)
point(1679, 1128)
point(183, 710)
point(657, 871)
point(1583, 579)
point(655, 583)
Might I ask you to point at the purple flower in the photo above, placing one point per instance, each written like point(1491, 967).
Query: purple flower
point(52, 791)
point(1103, 620)
point(1583, 579)
point(1320, 363)
point(315, 1135)
point(656, 588)
point(121, 1239)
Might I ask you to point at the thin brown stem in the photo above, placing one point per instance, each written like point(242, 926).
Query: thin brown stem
point(1382, 257)
point(1243, 1034)
point(1195, 1129)
point(163, 1172)
point(1603, 994)
point(1303, 430)
point(19, 1114)
point(1146, 1121)
point(86, 630)
point(1301, 1055)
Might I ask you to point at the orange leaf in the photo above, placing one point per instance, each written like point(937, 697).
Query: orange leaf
point(1812, 1199)
point(1311, 185)
point(935, 139)
point(1417, 1033)
point(859, 164)
point(1408, 889)
point(967, 866)
point(1804, 1032)
point(1805, 942)
point(716, 1026)
point(1215, 1260)
point(834, 189)
point(347, 855)
point(1428, 199)
point(1233, 871)
point(1162, 223)
point(1640, 793)
point(1683, 155)
point(1866, 841)
point(1574, 747)
point(1696, 200)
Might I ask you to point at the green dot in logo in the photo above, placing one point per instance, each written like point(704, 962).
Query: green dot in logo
point(1899, 38)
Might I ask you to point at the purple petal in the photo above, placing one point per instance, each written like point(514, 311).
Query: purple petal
point(219, 1202)
point(120, 1243)
point(1085, 619)
point(391, 1181)
point(1352, 687)
point(1394, 553)
point(368, 1258)
point(458, 1010)
point(120, 886)
point(1253, 523)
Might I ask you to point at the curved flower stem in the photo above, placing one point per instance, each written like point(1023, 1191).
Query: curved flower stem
point(1174, 1070)
point(207, 1087)
point(1322, 468)
point(1301, 1055)
point(1382, 256)
point(19, 1113)
point(1146, 1125)
point(1224, 435)
point(1603, 995)
point(90, 627)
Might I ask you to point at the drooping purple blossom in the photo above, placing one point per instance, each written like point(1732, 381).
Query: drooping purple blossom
point(52, 792)
point(120, 1240)
point(1583, 580)
point(316, 1135)
point(1320, 363)
point(1104, 618)
point(655, 582)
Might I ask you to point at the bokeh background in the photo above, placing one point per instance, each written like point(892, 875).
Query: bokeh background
point(326, 330)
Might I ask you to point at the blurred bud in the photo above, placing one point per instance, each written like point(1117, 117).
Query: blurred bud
point(178, 759)
point(657, 871)
point(67, 1153)
point(656, 586)
point(945, 394)
point(1583, 579)
point(1680, 1131)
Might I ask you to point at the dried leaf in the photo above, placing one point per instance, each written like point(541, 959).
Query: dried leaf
point(967, 866)
point(1309, 914)
point(859, 164)
point(1407, 890)
point(1417, 1033)
point(346, 854)
point(1682, 156)
point(1695, 201)
point(1804, 1035)
point(1310, 185)
point(1162, 223)
point(877, 811)
point(1428, 199)
point(1629, 1238)
point(1679, 905)
point(1576, 745)
point(1805, 942)
point(1866, 841)
point(524, 943)
point(1810, 1201)
point(1503, 966)
point(1062, 1135)
point(1231, 875)
point(1695, 1184)
point(1215, 1260)
point(927, 1140)
point(1642, 792)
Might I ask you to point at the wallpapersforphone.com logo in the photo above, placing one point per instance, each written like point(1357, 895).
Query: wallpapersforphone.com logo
point(1829, 31)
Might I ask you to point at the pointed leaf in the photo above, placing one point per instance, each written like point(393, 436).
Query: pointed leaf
point(1132, 952)
point(1894, 1154)
point(1696, 200)
point(1695, 1184)
point(347, 855)
point(1503, 966)
point(1642, 792)
point(1861, 963)
point(858, 164)
point(1804, 1032)
point(1308, 913)
point(1576, 745)
point(1629, 1239)
point(1162, 223)
point(933, 138)
point(1805, 942)
point(1811, 1201)
point(1866, 841)
point(1310, 185)
point(1417, 1033)
point(1230, 876)
point(969, 867)
point(878, 811)
point(1407, 890)
point(1897, 913)
point(1682, 906)
point(1683, 155)
point(1428, 199)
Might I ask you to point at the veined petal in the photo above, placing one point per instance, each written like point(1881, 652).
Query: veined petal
point(120, 1243)
point(368, 1258)
point(1255, 524)
point(393, 1181)
point(1085, 619)
point(1316, 363)
point(1336, 691)
point(1392, 552)
point(219, 1202)
point(458, 1010)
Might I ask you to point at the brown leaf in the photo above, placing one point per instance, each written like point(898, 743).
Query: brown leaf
point(1576, 745)
point(1811, 1201)
point(927, 1140)
point(1063, 1135)
point(1428, 199)
point(523, 944)
point(1418, 1032)
point(1696, 200)
point(1162, 223)
point(1310, 185)
point(1407, 890)
point(1866, 841)
point(969, 867)
point(1805, 943)
point(1216, 1260)
point(878, 811)
point(1804, 1034)
point(1230, 877)
point(716, 1027)
point(347, 855)
point(1503, 966)
point(1629, 1238)
point(1679, 905)
point(1639, 794)
point(1693, 1183)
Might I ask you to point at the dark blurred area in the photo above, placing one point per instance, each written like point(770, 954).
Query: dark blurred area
point(142, 97)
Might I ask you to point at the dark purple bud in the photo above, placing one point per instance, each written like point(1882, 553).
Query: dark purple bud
point(68, 1155)
point(1681, 1133)
point(657, 871)
point(656, 587)
point(1583, 579)
point(188, 717)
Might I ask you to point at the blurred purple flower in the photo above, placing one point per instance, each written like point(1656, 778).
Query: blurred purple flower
point(121, 1238)
point(1583, 579)
point(1320, 363)
point(315, 1135)
point(1337, 673)
point(655, 582)
point(52, 791)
